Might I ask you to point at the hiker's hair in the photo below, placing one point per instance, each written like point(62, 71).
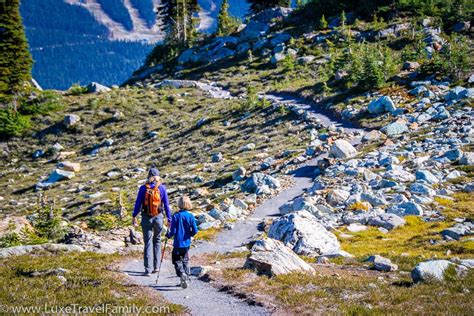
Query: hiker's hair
point(153, 179)
point(184, 203)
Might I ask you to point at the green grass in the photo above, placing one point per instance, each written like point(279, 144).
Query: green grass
point(407, 245)
point(90, 282)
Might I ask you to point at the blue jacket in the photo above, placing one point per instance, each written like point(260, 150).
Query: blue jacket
point(141, 199)
point(183, 227)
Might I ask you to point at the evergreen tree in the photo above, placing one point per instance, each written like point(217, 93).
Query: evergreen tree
point(323, 24)
point(259, 5)
point(225, 22)
point(15, 59)
point(179, 21)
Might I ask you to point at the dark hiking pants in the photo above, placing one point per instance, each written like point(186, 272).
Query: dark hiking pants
point(180, 260)
point(152, 227)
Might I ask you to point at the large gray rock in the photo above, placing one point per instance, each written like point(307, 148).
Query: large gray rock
point(395, 128)
point(258, 180)
point(342, 149)
point(382, 264)
point(95, 87)
point(387, 221)
point(467, 159)
point(405, 209)
point(55, 176)
point(434, 270)
point(54, 248)
point(381, 105)
point(253, 31)
point(271, 257)
point(304, 234)
point(71, 120)
point(337, 197)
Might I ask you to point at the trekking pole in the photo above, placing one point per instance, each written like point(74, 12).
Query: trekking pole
point(161, 261)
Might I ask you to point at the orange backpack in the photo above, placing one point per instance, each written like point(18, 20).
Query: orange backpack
point(152, 202)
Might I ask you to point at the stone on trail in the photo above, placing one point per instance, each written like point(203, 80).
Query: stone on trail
point(387, 221)
point(258, 180)
point(342, 149)
point(382, 264)
point(304, 234)
point(271, 257)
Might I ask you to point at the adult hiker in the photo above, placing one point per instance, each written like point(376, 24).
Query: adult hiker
point(152, 200)
point(183, 227)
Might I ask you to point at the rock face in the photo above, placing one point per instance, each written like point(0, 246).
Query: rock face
point(259, 183)
point(342, 149)
point(271, 257)
point(304, 234)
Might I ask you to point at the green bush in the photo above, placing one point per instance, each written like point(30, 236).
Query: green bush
point(453, 60)
point(10, 240)
point(48, 224)
point(370, 66)
point(12, 123)
point(103, 222)
point(43, 103)
point(76, 89)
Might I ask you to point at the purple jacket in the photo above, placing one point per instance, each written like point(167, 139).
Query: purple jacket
point(141, 199)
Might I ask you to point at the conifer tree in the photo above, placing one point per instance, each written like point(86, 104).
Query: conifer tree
point(225, 22)
point(179, 20)
point(15, 58)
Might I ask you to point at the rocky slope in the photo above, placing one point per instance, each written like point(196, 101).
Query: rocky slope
point(311, 193)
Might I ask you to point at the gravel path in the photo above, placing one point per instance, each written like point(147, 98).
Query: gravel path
point(202, 298)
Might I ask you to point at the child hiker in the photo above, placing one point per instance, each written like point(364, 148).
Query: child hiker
point(183, 227)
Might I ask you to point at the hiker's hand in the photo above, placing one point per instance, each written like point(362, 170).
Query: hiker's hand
point(134, 222)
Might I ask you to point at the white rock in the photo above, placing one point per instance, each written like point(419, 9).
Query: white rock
point(342, 149)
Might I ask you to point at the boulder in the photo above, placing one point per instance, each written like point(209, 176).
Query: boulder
point(304, 234)
point(457, 93)
point(381, 105)
point(277, 57)
point(411, 65)
point(70, 166)
point(395, 128)
point(427, 176)
point(337, 197)
point(257, 181)
point(387, 221)
point(217, 157)
point(239, 174)
point(382, 264)
point(405, 209)
point(373, 135)
point(342, 149)
point(467, 159)
point(422, 189)
point(55, 176)
point(95, 87)
point(71, 120)
point(271, 257)
point(454, 154)
point(253, 31)
point(430, 270)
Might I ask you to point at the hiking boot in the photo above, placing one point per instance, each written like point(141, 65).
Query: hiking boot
point(154, 271)
point(184, 283)
point(146, 274)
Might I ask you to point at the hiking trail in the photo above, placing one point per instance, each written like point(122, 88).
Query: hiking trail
point(201, 298)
